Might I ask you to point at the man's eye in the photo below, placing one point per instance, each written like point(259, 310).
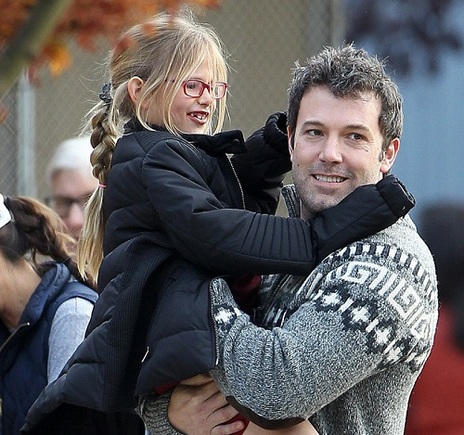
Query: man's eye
point(356, 136)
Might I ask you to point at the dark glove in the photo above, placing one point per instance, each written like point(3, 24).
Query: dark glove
point(366, 211)
point(275, 132)
point(262, 169)
point(271, 138)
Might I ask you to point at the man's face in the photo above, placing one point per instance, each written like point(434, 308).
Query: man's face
point(71, 189)
point(337, 147)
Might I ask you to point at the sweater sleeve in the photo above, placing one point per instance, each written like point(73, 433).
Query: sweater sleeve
point(66, 333)
point(153, 410)
point(345, 323)
point(231, 241)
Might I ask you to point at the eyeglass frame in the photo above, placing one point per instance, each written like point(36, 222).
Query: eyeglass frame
point(68, 202)
point(203, 87)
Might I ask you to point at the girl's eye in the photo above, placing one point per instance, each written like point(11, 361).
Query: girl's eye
point(192, 85)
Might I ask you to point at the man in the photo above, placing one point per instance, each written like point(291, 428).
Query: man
point(344, 346)
point(71, 182)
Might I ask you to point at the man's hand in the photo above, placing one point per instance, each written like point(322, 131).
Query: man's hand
point(197, 407)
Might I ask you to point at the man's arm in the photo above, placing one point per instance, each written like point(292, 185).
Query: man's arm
point(202, 409)
point(333, 336)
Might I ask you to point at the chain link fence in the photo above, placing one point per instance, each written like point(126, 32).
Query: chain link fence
point(264, 39)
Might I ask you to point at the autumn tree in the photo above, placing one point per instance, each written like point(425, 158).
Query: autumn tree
point(36, 33)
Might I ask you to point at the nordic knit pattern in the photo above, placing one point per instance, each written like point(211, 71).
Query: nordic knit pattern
point(346, 344)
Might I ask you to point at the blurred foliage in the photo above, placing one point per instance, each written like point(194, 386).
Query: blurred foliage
point(36, 33)
point(405, 31)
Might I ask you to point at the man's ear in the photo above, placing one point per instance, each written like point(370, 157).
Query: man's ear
point(389, 156)
point(291, 142)
point(134, 86)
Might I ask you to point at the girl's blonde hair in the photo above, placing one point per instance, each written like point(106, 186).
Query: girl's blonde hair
point(163, 52)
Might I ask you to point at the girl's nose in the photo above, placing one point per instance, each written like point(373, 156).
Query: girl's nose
point(205, 98)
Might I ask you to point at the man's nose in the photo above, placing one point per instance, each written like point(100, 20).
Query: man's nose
point(331, 150)
point(75, 219)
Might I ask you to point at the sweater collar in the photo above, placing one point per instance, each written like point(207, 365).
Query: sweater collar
point(292, 200)
point(227, 142)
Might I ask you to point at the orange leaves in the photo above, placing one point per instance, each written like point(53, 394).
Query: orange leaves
point(86, 21)
point(14, 13)
point(55, 56)
point(210, 4)
point(58, 56)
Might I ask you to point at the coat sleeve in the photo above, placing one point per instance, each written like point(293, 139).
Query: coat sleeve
point(232, 241)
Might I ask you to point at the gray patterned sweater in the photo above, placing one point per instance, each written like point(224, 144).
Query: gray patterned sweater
point(342, 347)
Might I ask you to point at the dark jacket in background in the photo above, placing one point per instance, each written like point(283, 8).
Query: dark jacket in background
point(24, 353)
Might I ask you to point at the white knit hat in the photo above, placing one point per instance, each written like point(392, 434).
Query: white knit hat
point(71, 154)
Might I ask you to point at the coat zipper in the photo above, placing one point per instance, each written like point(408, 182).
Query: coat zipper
point(242, 195)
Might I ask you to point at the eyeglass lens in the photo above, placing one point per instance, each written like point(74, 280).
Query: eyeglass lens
point(195, 88)
point(62, 204)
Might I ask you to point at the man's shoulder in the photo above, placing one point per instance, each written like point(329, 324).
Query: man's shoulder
point(401, 238)
point(394, 258)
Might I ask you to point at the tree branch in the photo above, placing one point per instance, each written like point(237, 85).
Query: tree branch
point(29, 40)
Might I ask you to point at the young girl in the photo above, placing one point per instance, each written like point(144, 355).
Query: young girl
point(44, 309)
point(172, 211)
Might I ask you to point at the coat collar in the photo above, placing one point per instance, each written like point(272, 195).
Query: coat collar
point(50, 286)
point(227, 142)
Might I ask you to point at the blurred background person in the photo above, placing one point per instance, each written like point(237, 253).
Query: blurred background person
point(70, 180)
point(44, 307)
point(437, 401)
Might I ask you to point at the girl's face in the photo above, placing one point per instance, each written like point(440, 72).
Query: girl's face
point(190, 115)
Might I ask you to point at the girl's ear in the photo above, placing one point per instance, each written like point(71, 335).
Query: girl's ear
point(134, 87)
